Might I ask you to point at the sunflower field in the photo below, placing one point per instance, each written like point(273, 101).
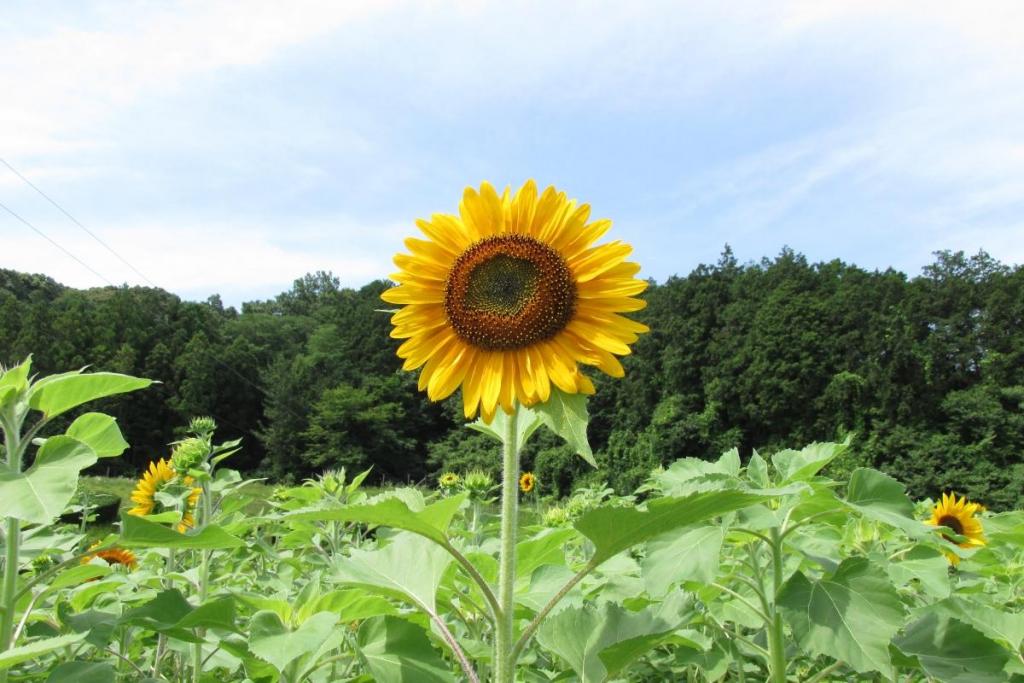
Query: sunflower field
point(795, 566)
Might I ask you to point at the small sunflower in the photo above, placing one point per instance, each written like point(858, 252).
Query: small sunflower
point(448, 480)
point(508, 298)
point(959, 516)
point(159, 474)
point(119, 556)
point(527, 481)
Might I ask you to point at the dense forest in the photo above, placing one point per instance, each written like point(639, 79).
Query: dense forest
point(925, 373)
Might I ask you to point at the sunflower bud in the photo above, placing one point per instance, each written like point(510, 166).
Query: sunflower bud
point(189, 454)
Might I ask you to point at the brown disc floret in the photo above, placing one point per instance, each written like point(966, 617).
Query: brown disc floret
point(509, 291)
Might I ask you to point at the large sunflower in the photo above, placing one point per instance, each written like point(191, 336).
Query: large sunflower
point(959, 516)
point(508, 297)
point(159, 474)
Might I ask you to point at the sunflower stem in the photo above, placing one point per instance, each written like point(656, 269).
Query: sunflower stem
point(12, 541)
point(776, 635)
point(204, 579)
point(504, 662)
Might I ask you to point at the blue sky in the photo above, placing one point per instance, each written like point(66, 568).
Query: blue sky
point(222, 150)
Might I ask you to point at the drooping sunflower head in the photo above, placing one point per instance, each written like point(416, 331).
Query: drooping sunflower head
point(958, 515)
point(508, 298)
point(527, 481)
point(115, 556)
point(159, 475)
point(448, 480)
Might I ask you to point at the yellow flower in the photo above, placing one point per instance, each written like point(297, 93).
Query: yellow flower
point(448, 480)
point(506, 299)
point(114, 556)
point(159, 474)
point(527, 482)
point(959, 516)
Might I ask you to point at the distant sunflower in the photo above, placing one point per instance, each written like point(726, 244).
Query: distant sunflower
point(119, 556)
point(448, 480)
point(959, 516)
point(506, 299)
point(159, 474)
point(527, 481)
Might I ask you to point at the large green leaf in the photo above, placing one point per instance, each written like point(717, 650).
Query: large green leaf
point(397, 651)
point(100, 432)
point(59, 393)
point(273, 642)
point(995, 623)
point(566, 415)
point(952, 651)
point(927, 566)
point(851, 615)
point(880, 497)
point(36, 648)
point(803, 464)
point(580, 635)
point(41, 493)
point(689, 556)
point(431, 522)
point(82, 672)
point(351, 604)
point(614, 529)
point(137, 532)
point(410, 568)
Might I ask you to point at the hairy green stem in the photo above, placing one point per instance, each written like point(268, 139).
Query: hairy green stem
point(776, 636)
point(12, 541)
point(504, 663)
point(204, 580)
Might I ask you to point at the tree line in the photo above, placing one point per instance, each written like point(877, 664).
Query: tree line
point(926, 374)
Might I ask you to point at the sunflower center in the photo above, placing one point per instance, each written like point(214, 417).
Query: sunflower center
point(953, 523)
point(509, 291)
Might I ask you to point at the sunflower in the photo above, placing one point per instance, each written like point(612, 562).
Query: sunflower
point(506, 299)
point(159, 474)
point(114, 556)
point(448, 480)
point(959, 516)
point(527, 482)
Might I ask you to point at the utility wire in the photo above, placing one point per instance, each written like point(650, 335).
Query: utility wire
point(125, 261)
point(54, 243)
point(76, 221)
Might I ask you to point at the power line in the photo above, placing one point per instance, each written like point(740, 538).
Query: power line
point(54, 243)
point(76, 222)
point(210, 353)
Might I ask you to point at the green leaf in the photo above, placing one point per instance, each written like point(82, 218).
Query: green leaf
point(692, 475)
point(851, 615)
point(995, 623)
point(16, 377)
point(137, 532)
point(350, 605)
point(527, 422)
point(271, 641)
point(614, 529)
point(41, 493)
point(398, 651)
point(219, 613)
point(926, 565)
point(100, 432)
point(59, 393)
point(803, 464)
point(547, 547)
point(689, 556)
point(36, 648)
point(410, 568)
point(953, 651)
point(882, 498)
point(580, 635)
point(757, 471)
point(431, 522)
point(566, 415)
point(82, 672)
